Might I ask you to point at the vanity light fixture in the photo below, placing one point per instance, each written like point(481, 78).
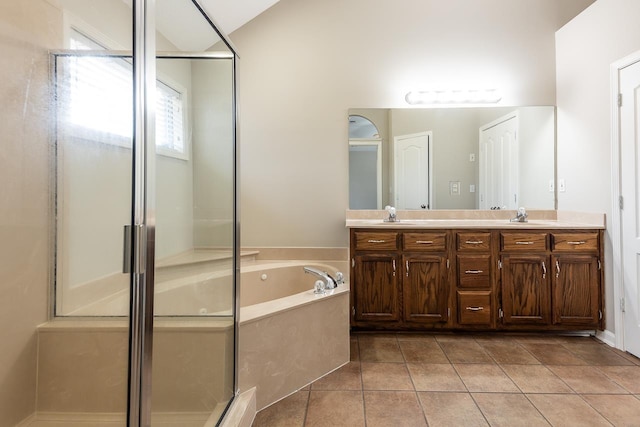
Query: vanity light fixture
point(480, 96)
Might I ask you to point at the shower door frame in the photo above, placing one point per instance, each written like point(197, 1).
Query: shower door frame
point(143, 221)
point(140, 235)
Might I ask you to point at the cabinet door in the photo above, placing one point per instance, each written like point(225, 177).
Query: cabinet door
point(375, 288)
point(525, 289)
point(576, 290)
point(425, 288)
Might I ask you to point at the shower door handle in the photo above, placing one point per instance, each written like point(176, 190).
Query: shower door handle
point(126, 251)
point(133, 263)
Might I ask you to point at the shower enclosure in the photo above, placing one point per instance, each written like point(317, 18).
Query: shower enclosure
point(141, 322)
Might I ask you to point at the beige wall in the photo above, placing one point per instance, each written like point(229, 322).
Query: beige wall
point(27, 30)
point(586, 47)
point(213, 153)
point(304, 63)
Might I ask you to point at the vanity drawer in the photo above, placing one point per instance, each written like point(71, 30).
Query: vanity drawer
point(474, 307)
point(575, 242)
point(473, 241)
point(523, 242)
point(474, 271)
point(376, 240)
point(425, 241)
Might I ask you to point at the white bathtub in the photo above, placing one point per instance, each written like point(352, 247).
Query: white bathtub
point(209, 293)
point(289, 336)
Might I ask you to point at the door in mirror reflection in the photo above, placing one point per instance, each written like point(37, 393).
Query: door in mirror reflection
point(365, 174)
point(412, 172)
point(498, 185)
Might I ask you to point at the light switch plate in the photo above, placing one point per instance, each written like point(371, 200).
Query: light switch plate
point(551, 186)
point(454, 188)
point(561, 186)
point(472, 157)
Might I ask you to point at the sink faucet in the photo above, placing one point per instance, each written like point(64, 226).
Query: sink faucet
point(329, 282)
point(392, 214)
point(521, 215)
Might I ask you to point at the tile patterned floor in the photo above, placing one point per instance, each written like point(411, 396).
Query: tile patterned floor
point(396, 380)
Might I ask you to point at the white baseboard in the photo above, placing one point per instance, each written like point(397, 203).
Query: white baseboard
point(607, 337)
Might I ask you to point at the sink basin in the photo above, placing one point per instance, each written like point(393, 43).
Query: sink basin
point(534, 223)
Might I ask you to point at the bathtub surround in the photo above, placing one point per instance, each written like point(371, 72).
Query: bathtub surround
point(283, 352)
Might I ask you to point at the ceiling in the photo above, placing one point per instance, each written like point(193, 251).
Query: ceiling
point(233, 14)
point(181, 24)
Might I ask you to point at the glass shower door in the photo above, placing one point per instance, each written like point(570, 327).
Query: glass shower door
point(171, 174)
point(193, 349)
point(193, 374)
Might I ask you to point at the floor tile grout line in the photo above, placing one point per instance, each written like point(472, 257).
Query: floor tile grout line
point(306, 407)
point(364, 408)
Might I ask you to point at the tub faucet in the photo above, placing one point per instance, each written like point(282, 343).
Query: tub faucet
point(392, 214)
point(521, 215)
point(329, 282)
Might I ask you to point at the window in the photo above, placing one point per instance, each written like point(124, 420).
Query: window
point(97, 100)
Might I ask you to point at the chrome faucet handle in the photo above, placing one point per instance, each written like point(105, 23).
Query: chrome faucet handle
point(521, 215)
point(339, 278)
point(392, 214)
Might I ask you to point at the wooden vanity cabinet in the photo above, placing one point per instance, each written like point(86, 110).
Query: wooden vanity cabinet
point(576, 279)
point(474, 279)
point(376, 297)
point(524, 279)
point(525, 289)
point(399, 279)
point(374, 277)
point(550, 280)
point(425, 283)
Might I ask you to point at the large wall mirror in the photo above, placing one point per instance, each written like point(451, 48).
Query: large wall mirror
point(452, 158)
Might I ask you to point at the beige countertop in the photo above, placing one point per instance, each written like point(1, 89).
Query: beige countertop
point(475, 219)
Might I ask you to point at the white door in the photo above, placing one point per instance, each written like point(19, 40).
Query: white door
point(365, 174)
point(498, 163)
point(412, 171)
point(629, 188)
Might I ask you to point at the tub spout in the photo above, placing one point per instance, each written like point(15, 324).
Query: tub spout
point(329, 282)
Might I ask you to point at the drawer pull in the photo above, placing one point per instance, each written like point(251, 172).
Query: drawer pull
point(424, 242)
point(581, 242)
point(473, 271)
point(474, 242)
point(475, 308)
point(524, 243)
point(376, 241)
